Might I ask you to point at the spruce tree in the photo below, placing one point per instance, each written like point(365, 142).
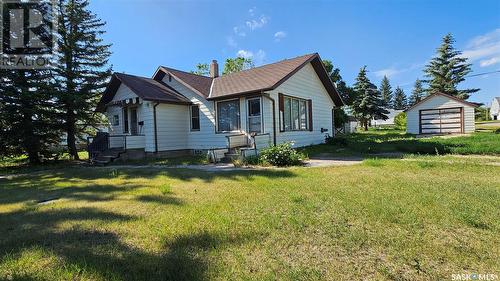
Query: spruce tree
point(417, 94)
point(386, 90)
point(400, 101)
point(447, 69)
point(368, 103)
point(27, 114)
point(82, 68)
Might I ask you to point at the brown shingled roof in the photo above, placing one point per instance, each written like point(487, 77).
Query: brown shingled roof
point(258, 78)
point(198, 83)
point(145, 88)
point(264, 78)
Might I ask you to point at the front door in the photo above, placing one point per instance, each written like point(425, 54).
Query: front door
point(133, 121)
point(254, 115)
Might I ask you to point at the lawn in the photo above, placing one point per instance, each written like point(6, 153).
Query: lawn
point(382, 219)
point(390, 141)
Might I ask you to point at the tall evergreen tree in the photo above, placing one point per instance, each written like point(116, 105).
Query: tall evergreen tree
point(417, 94)
point(27, 111)
point(447, 69)
point(386, 90)
point(347, 93)
point(400, 101)
point(27, 114)
point(82, 69)
point(368, 103)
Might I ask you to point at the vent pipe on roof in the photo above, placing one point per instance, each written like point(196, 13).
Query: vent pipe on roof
point(214, 69)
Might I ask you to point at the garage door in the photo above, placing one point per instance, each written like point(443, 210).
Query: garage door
point(442, 121)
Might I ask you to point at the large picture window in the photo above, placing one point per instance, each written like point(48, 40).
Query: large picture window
point(195, 118)
point(228, 116)
point(254, 115)
point(295, 114)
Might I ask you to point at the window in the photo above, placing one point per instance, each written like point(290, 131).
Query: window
point(228, 116)
point(295, 114)
point(115, 120)
point(195, 118)
point(254, 116)
point(125, 120)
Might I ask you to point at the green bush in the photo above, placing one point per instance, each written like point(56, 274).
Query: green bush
point(281, 155)
point(497, 131)
point(400, 121)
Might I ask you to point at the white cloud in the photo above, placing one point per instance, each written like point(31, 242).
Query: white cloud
point(257, 23)
point(231, 42)
point(489, 62)
point(389, 72)
point(257, 57)
point(485, 48)
point(393, 71)
point(239, 31)
point(244, 54)
point(279, 35)
point(251, 11)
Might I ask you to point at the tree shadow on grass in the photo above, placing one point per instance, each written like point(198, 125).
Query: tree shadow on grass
point(102, 253)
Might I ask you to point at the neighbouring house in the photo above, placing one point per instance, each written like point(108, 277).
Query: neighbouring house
point(390, 119)
point(495, 109)
point(440, 114)
point(177, 113)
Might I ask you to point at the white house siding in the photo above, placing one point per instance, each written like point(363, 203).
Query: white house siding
point(172, 123)
point(306, 84)
point(144, 114)
point(205, 138)
point(495, 109)
point(439, 102)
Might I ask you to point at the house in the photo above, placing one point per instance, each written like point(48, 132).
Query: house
point(390, 119)
point(177, 113)
point(495, 109)
point(440, 114)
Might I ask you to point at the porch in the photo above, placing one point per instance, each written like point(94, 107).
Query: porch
point(104, 148)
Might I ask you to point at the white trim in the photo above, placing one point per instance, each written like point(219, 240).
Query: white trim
point(248, 116)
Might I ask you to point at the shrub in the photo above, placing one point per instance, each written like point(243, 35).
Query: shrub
point(400, 121)
point(497, 131)
point(281, 155)
point(252, 160)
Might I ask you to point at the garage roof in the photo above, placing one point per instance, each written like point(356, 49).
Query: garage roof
point(441, 94)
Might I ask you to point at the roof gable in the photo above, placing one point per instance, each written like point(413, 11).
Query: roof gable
point(441, 94)
point(197, 83)
point(269, 77)
point(145, 88)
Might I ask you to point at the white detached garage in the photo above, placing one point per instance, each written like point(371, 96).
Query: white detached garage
point(440, 114)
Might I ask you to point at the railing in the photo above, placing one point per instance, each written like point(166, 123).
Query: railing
point(103, 141)
point(235, 141)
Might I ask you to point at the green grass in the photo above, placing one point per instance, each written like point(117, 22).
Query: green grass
point(389, 141)
point(420, 218)
point(173, 161)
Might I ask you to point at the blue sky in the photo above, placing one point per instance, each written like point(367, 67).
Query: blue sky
point(396, 38)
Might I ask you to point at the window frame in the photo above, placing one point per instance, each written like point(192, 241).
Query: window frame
point(261, 129)
point(115, 120)
point(126, 127)
point(217, 117)
point(192, 117)
point(291, 127)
